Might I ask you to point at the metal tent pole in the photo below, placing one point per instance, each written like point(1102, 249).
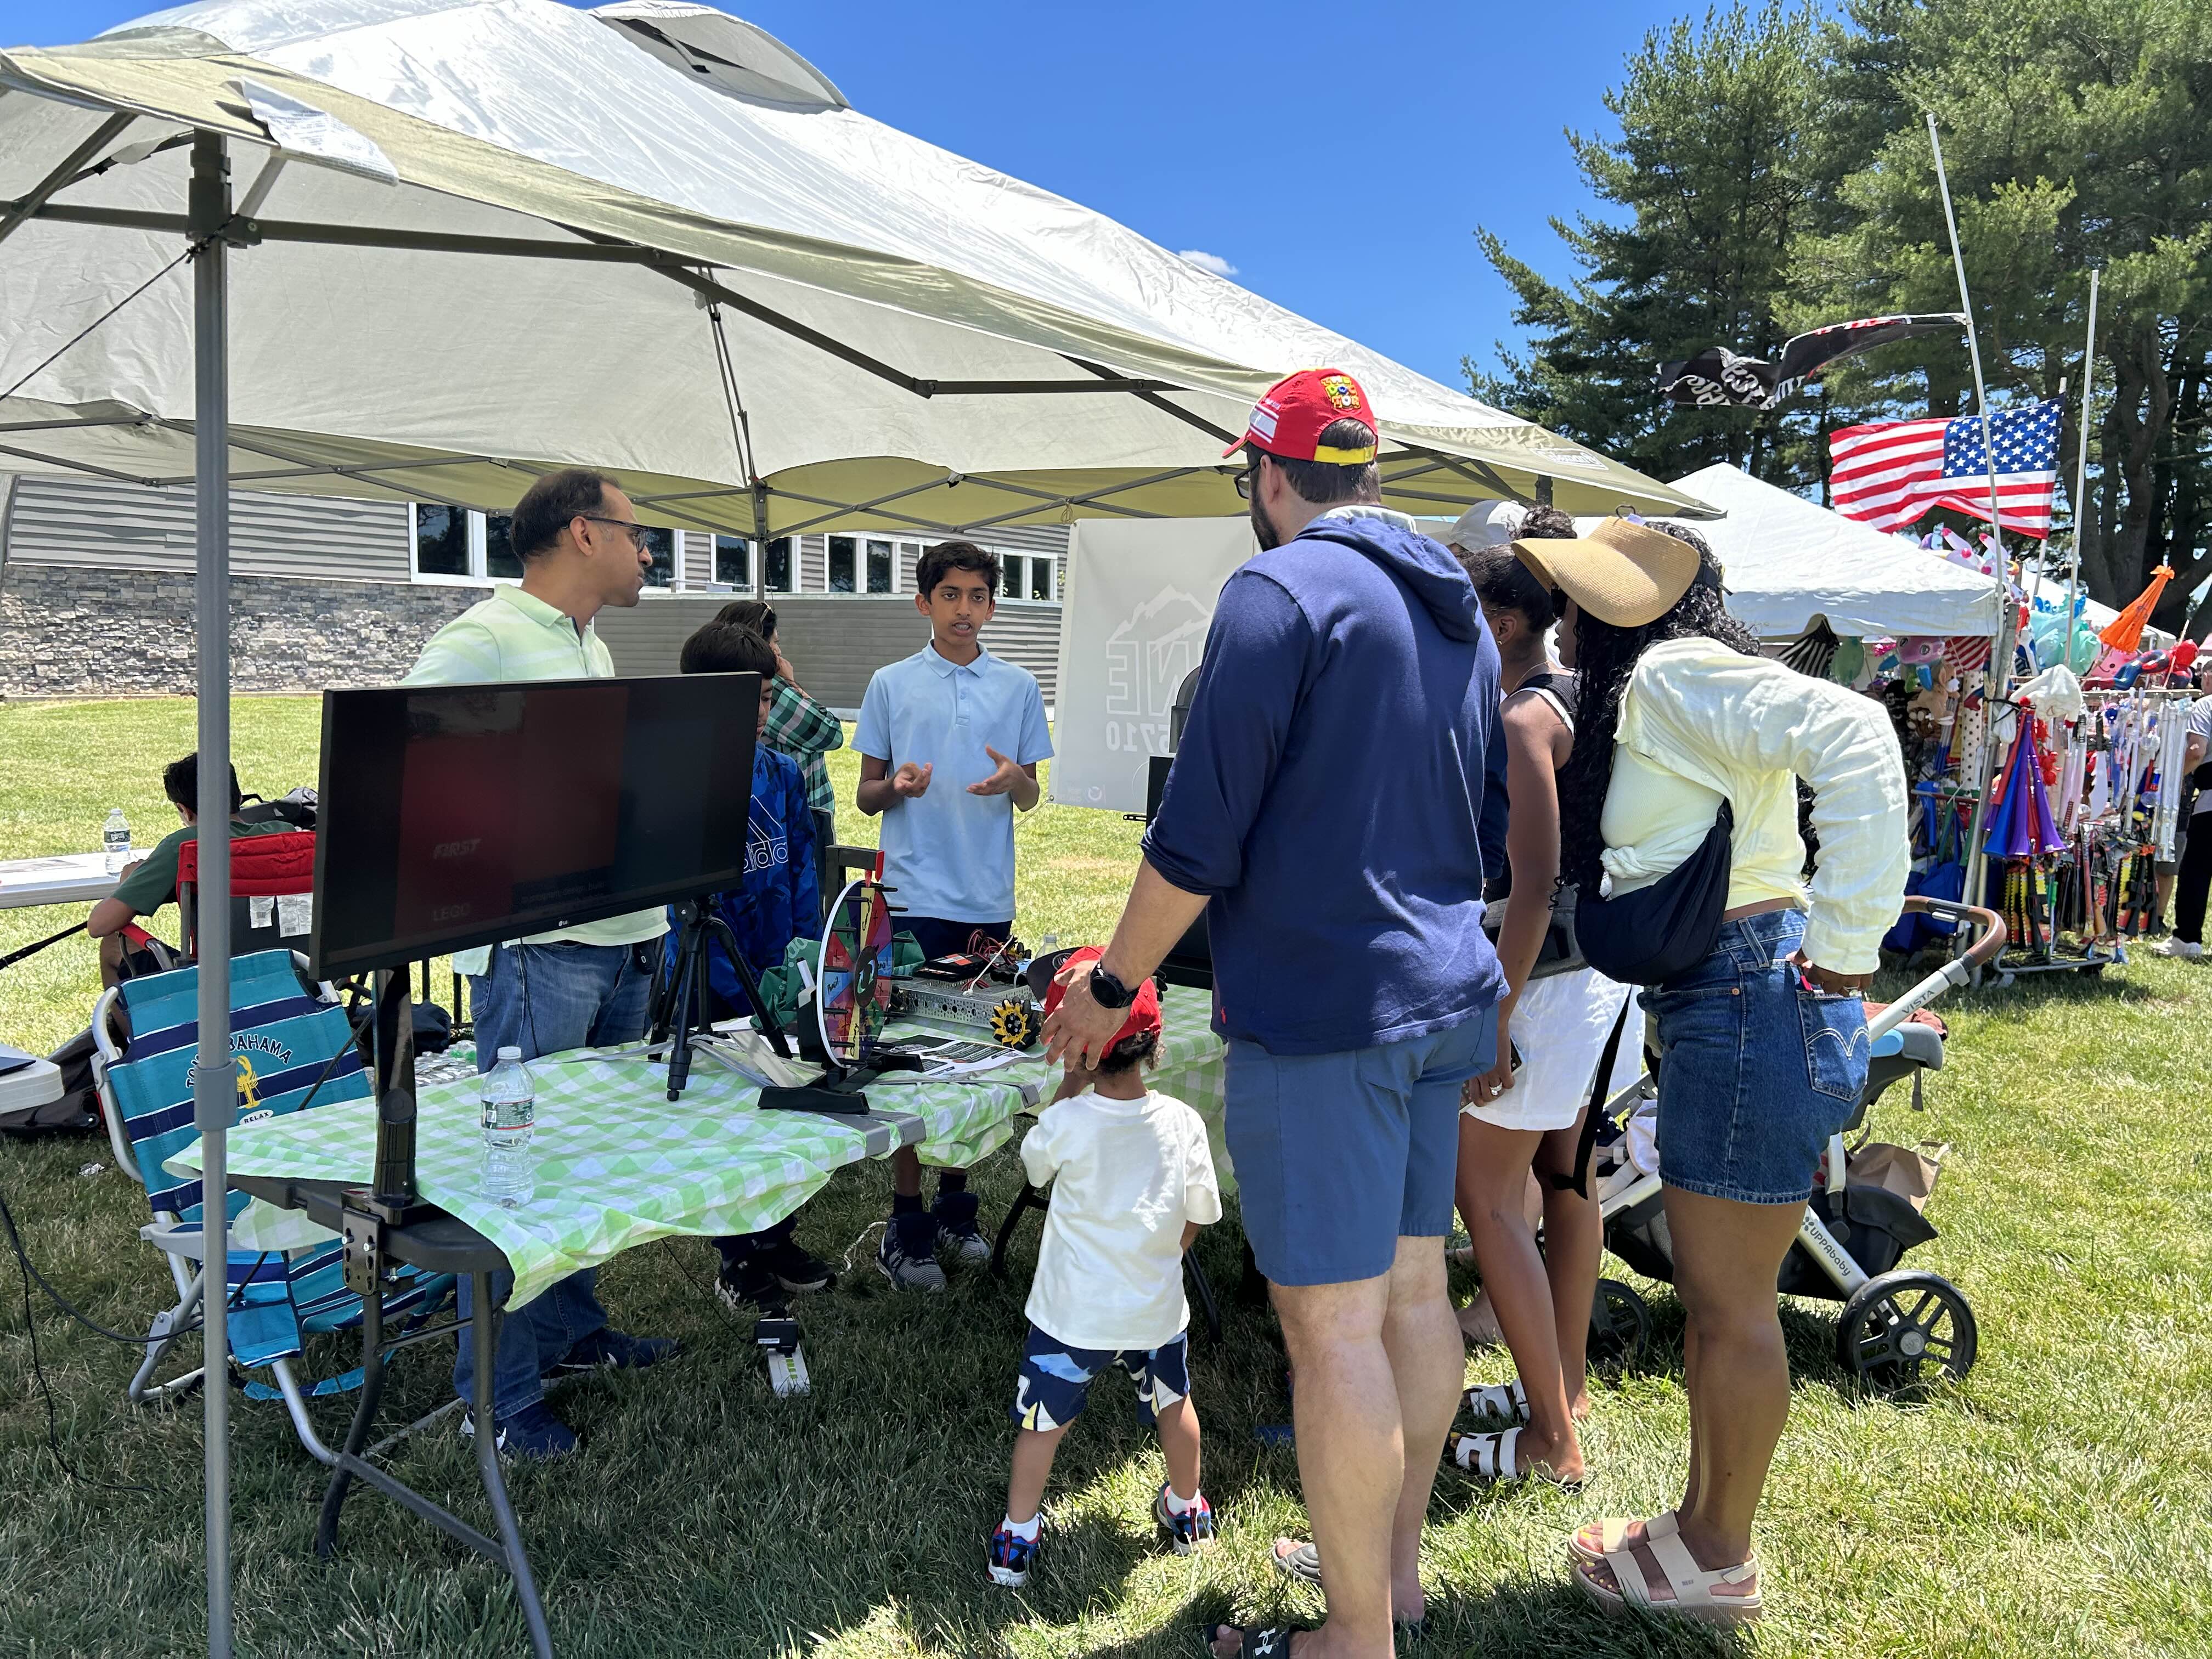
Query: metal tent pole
point(2001, 656)
point(214, 1089)
point(2082, 472)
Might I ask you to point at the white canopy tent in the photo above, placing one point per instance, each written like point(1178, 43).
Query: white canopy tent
point(899, 337)
point(1791, 562)
point(696, 268)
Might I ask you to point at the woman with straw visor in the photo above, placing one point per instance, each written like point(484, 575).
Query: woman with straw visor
point(1762, 1042)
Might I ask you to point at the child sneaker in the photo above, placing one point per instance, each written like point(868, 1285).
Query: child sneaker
point(747, 1286)
point(907, 1273)
point(1011, 1558)
point(1187, 1530)
point(797, 1270)
point(955, 1215)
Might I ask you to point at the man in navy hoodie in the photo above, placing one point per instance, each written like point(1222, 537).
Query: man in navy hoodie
point(1323, 812)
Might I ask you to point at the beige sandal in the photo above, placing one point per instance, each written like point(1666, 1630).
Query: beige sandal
point(1693, 1585)
point(1613, 1530)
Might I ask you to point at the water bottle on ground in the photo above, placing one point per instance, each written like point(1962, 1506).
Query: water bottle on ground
point(115, 840)
point(510, 1105)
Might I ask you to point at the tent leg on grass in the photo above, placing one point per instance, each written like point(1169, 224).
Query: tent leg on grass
point(215, 1093)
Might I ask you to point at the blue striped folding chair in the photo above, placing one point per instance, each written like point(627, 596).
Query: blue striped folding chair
point(293, 1051)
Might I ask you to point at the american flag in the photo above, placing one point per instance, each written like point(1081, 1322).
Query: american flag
point(1889, 473)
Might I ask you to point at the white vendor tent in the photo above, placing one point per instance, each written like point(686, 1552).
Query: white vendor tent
point(1791, 563)
point(761, 309)
point(467, 239)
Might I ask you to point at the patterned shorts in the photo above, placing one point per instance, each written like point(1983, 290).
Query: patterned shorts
point(1055, 1379)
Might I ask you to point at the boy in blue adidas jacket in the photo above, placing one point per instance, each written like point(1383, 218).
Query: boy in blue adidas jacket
point(779, 902)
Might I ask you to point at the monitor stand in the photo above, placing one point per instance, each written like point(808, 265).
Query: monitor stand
point(392, 1195)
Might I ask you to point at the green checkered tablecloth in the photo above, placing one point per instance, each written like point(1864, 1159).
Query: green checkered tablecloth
point(619, 1164)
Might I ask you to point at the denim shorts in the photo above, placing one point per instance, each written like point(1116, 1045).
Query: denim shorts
point(1755, 1072)
point(1339, 1155)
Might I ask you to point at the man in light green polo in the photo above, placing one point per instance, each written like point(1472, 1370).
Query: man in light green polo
point(582, 548)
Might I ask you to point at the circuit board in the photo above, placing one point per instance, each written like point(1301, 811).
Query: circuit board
point(1009, 1017)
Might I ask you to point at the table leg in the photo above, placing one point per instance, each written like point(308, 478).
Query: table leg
point(1032, 1197)
point(484, 1332)
point(1202, 1288)
point(364, 1417)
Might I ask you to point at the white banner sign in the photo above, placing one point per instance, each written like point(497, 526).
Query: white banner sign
point(1139, 598)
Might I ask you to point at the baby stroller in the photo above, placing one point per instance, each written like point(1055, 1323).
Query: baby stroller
point(1898, 1326)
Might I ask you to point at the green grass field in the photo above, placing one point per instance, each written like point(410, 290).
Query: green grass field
point(2055, 1503)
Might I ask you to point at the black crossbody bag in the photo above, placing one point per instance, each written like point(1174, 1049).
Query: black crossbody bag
point(1662, 932)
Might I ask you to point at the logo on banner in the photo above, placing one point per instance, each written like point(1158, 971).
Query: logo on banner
point(1148, 657)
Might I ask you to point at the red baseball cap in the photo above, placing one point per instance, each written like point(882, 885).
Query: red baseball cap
point(1144, 1014)
point(1290, 416)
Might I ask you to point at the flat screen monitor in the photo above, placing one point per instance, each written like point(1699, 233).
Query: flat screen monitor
point(454, 815)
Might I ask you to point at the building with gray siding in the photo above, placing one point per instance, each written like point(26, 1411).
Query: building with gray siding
point(96, 593)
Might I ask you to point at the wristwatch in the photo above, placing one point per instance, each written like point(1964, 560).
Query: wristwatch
point(1109, 992)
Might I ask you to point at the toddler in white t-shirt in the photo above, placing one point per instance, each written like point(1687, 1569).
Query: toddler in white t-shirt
point(1133, 1182)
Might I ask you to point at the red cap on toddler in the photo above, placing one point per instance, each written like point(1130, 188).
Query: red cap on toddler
point(1143, 1015)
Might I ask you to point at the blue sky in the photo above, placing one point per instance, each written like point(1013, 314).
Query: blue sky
point(1340, 167)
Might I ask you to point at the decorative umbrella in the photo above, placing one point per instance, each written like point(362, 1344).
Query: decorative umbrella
point(2021, 823)
point(2125, 632)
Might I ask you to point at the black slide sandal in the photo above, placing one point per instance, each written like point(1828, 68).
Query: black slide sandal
point(1303, 1567)
point(1272, 1643)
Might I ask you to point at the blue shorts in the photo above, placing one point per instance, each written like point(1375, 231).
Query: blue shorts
point(1055, 1379)
point(1755, 1072)
point(1339, 1156)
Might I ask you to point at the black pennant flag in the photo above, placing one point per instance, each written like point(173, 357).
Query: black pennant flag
point(1717, 375)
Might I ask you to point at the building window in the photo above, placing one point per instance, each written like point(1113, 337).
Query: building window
point(442, 540)
point(881, 567)
point(1026, 576)
point(500, 560)
point(779, 565)
point(733, 562)
point(841, 565)
point(661, 544)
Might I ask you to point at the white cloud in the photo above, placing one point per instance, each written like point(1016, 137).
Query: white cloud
point(1205, 261)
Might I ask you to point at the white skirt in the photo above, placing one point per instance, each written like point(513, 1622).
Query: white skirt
point(1560, 1027)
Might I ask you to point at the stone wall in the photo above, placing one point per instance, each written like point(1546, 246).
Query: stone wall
point(67, 632)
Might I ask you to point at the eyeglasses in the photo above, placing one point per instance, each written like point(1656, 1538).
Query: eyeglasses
point(1245, 478)
point(638, 533)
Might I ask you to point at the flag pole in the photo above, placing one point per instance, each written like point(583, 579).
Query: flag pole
point(2001, 655)
point(2081, 471)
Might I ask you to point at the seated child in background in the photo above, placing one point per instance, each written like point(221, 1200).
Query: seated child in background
point(778, 903)
point(1132, 1184)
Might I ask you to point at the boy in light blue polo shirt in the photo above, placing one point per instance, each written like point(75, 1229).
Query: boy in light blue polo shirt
point(950, 739)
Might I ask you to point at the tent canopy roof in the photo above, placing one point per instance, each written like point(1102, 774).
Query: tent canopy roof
point(1789, 561)
point(896, 321)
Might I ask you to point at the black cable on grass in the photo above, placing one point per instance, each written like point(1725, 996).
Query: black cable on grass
point(707, 1290)
point(39, 1369)
point(31, 1275)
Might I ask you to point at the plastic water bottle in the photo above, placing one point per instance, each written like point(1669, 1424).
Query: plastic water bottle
point(115, 840)
point(510, 1109)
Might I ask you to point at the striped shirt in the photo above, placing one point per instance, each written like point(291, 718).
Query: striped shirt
point(511, 636)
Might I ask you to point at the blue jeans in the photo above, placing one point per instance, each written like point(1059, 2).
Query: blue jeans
point(1756, 1069)
point(543, 998)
